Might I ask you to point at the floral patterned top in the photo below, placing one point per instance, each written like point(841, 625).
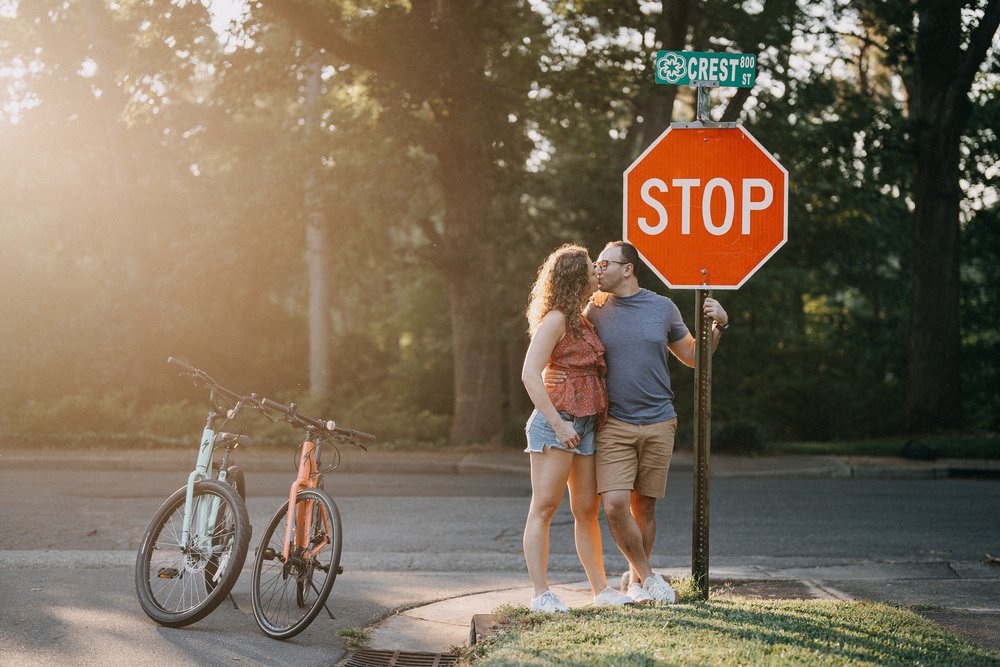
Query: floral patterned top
point(582, 358)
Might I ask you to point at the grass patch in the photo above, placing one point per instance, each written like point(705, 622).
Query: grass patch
point(355, 639)
point(957, 447)
point(733, 631)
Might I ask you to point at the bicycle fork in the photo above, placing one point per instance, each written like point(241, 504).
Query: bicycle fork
point(207, 513)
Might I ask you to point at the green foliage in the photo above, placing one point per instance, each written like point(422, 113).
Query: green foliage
point(76, 412)
point(727, 632)
point(980, 315)
point(738, 437)
point(180, 419)
point(157, 172)
point(85, 418)
point(395, 421)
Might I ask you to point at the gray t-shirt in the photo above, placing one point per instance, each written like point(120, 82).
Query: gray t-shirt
point(635, 331)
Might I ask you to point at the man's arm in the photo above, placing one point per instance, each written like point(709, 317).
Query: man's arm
point(684, 348)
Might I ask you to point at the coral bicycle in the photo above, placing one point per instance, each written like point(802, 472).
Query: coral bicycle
point(298, 558)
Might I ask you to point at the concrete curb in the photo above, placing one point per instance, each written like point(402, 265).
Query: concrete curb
point(500, 462)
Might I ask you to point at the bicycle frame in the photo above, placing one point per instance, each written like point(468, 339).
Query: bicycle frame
point(298, 559)
point(308, 477)
point(207, 515)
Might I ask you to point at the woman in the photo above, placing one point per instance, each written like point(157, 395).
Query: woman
point(561, 429)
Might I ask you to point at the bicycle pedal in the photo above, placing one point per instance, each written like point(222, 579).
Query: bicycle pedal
point(168, 573)
point(340, 569)
point(270, 554)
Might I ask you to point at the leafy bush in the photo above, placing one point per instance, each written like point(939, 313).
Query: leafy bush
point(75, 413)
point(391, 421)
point(180, 418)
point(395, 421)
point(739, 437)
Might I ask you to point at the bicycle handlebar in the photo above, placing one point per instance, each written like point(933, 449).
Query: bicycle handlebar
point(291, 413)
point(208, 380)
point(173, 361)
point(293, 416)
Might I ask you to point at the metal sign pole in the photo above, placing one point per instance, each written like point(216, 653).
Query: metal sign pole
point(701, 110)
point(729, 70)
point(702, 443)
point(702, 410)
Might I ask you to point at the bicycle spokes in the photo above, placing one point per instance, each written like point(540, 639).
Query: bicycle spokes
point(289, 591)
point(180, 581)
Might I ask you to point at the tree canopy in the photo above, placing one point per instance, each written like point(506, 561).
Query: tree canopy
point(162, 163)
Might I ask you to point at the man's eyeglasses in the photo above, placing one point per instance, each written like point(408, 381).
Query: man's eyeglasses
point(603, 264)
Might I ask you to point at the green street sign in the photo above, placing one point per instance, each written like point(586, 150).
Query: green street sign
point(731, 70)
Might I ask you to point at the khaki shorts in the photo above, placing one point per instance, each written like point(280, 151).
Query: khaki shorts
point(635, 458)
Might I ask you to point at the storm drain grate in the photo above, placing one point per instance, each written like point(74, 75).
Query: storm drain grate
point(373, 658)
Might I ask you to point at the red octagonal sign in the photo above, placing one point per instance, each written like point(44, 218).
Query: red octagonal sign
point(706, 207)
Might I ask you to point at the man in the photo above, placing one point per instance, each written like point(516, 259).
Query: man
point(638, 328)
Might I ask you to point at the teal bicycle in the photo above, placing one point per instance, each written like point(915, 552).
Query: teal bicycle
point(194, 548)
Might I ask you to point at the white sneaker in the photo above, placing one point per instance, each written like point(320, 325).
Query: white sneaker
point(659, 590)
point(609, 597)
point(549, 603)
point(638, 594)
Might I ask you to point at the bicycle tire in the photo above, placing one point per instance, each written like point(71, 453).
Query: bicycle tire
point(287, 597)
point(236, 479)
point(169, 577)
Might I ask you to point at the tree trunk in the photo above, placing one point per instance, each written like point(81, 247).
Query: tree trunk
point(658, 107)
point(317, 247)
point(942, 75)
point(469, 267)
point(933, 389)
point(477, 354)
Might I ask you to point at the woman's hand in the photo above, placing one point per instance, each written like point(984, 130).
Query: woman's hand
point(567, 435)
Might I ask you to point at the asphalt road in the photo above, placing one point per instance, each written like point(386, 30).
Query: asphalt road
point(69, 538)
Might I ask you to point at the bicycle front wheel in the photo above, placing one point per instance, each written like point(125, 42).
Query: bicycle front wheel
point(288, 593)
point(170, 574)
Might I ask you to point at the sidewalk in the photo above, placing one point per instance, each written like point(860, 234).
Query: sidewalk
point(446, 625)
point(441, 626)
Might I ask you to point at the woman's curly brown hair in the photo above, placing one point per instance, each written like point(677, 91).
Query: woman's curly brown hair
point(561, 285)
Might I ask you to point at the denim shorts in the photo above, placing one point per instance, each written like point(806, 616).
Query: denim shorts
point(541, 435)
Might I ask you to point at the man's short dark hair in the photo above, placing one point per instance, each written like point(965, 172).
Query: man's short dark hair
point(629, 253)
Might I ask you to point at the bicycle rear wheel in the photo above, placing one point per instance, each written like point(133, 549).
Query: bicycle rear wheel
point(170, 578)
point(287, 594)
point(236, 479)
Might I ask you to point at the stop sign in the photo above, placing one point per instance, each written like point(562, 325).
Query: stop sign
point(706, 207)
